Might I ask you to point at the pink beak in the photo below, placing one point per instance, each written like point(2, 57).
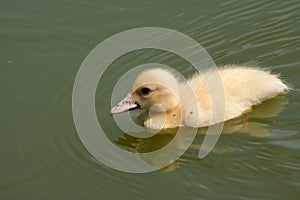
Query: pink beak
point(124, 105)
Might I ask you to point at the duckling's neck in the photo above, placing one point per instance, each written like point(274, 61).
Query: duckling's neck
point(158, 120)
point(174, 117)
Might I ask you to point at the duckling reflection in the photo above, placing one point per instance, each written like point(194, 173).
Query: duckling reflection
point(255, 123)
point(161, 149)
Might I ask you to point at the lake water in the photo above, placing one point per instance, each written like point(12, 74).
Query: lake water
point(43, 44)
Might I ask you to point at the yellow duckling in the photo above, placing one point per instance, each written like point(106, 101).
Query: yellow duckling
point(167, 101)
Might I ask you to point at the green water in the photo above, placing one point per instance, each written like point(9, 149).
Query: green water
point(42, 45)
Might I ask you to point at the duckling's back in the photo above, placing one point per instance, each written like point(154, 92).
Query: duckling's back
point(250, 86)
point(243, 88)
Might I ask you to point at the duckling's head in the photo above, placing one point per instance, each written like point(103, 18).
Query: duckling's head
point(156, 89)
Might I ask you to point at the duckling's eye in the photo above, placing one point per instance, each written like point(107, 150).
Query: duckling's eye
point(145, 91)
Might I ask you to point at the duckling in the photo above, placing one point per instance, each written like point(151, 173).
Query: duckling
point(167, 101)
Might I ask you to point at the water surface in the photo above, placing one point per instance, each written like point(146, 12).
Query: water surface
point(42, 47)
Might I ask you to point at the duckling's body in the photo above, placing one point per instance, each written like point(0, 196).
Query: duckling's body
point(169, 103)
